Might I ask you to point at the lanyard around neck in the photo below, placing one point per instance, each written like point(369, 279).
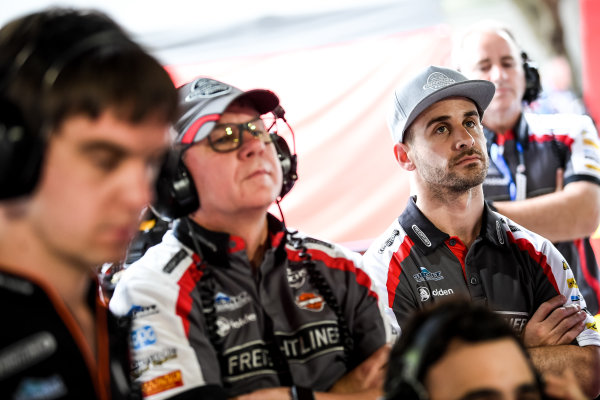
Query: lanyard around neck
point(517, 187)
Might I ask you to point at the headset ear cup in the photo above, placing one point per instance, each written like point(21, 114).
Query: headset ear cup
point(289, 164)
point(533, 83)
point(21, 153)
point(176, 194)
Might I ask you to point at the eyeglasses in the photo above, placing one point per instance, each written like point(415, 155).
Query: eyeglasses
point(229, 137)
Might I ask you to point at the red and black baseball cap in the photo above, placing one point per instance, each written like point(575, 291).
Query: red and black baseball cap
point(203, 100)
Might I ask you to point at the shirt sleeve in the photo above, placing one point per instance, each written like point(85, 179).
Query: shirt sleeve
point(165, 360)
point(581, 137)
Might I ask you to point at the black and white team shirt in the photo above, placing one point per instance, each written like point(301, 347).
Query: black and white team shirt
point(508, 268)
point(540, 144)
point(179, 354)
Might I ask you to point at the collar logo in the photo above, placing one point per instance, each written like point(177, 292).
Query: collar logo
point(437, 80)
point(207, 88)
point(421, 235)
point(499, 232)
point(310, 302)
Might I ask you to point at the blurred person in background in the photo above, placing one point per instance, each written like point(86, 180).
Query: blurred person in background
point(544, 170)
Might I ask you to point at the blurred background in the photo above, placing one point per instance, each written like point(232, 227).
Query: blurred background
point(334, 65)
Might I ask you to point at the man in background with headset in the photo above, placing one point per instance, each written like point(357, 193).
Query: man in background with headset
point(84, 124)
point(231, 303)
point(458, 351)
point(448, 243)
point(533, 156)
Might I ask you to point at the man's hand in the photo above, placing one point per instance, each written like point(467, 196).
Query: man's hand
point(278, 393)
point(554, 324)
point(564, 386)
point(370, 374)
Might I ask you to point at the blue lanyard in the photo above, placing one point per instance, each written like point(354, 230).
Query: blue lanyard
point(498, 159)
point(497, 156)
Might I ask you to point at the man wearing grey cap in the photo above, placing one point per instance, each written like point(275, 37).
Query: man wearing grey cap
point(447, 242)
point(231, 303)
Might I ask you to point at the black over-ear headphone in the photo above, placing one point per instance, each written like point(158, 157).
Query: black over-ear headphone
point(176, 194)
point(533, 83)
point(21, 146)
point(406, 385)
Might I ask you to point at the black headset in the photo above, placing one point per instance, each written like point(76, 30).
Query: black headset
point(22, 147)
point(533, 83)
point(176, 193)
point(406, 384)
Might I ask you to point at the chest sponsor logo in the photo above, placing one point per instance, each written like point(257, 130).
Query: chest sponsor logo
point(26, 352)
point(421, 236)
point(143, 337)
point(389, 241)
point(253, 359)
point(424, 293)
point(51, 387)
point(142, 311)
point(425, 275)
point(571, 283)
point(310, 301)
point(226, 325)
point(224, 302)
point(296, 279)
point(161, 383)
point(139, 366)
point(516, 319)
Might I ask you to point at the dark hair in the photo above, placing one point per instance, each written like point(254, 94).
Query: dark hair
point(427, 335)
point(94, 64)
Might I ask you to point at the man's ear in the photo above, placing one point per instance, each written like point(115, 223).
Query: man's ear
point(401, 152)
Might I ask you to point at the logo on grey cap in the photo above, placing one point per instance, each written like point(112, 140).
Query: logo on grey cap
point(438, 80)
point(207, 88)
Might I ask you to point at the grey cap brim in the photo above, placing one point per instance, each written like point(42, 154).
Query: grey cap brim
point(481, 92)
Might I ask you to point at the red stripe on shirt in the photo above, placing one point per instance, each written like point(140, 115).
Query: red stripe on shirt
point(566, 139)
point(395, 268)
point(591, 280)
point(339, 263)
point(187, 283)
point(537, 256)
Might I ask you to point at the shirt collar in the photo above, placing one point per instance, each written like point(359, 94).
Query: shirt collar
point(427, 237)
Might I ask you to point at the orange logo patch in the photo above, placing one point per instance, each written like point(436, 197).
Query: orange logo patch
point(162, 383)
point(310, 301)
point(571, 283)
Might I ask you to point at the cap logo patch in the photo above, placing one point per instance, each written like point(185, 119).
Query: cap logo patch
point(437, 80)
point(207, 88)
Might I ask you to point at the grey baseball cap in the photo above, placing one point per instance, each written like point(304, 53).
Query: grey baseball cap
point(430, 86)
point(202, 101)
